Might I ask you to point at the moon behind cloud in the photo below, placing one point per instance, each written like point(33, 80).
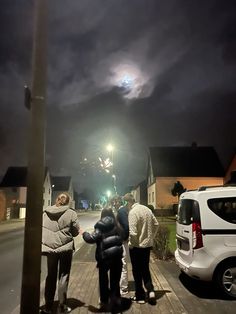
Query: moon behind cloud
point(129, 77)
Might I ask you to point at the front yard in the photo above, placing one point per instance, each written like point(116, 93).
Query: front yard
point(165, 243)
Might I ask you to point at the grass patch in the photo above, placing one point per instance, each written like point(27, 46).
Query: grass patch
point(165, 241)
point(172, 242)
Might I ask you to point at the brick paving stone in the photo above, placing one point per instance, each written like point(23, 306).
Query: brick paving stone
point(84, 287)
point(83, 292)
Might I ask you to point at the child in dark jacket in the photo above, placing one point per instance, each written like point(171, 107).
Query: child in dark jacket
point(108, 237)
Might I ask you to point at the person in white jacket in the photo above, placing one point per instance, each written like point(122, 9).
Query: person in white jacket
point(60, 225)
point(142, 230)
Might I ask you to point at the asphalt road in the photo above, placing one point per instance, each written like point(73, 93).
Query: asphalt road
point(11, 250)
point(197, 297)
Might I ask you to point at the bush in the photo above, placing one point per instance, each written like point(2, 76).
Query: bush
point(161, 243)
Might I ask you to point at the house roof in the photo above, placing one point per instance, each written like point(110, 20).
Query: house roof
point(16, 177)
point(61, 183)
point(141, 184)
point(190, 161)
point(232, 178)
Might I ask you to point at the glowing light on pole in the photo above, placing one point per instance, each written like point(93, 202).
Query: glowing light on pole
point(108, 193)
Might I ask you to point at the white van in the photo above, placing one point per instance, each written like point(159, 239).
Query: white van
point(206, 236)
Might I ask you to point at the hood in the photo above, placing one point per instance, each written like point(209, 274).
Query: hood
point(55, 212)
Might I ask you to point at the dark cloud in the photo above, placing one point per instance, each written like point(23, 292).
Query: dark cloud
point(137, 73)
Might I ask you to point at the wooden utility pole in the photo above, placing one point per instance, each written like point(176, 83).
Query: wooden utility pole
point(30, 290)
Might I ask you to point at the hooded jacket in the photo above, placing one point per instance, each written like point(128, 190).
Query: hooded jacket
point(60, 225)
point(108, 239)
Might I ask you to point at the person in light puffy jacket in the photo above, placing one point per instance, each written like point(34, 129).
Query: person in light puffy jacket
point(109, 238)
point(60, 225)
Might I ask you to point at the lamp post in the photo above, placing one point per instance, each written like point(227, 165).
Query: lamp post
point(35, 101)
point(114, 182)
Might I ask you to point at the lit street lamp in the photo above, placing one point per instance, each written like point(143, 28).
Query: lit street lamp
point(108, 194)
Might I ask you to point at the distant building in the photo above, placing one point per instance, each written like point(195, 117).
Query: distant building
point(140, 192)
point(14, 189)
point(192, 166)
point(230, 176)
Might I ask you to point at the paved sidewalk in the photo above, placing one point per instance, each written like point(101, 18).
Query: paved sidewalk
point(83, 288)
point(83, 292)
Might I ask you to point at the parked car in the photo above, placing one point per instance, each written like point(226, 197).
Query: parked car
point(206, 236)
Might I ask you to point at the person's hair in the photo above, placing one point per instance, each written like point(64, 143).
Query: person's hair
point(128, 197)
point(108, 212)
point(116, 198)
point(63, 195)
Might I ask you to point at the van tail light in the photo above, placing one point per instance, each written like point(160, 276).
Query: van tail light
point(197, 235)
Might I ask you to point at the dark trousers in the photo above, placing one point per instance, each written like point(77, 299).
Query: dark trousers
point(140, 267)
point(109, 279)
point(63, 261)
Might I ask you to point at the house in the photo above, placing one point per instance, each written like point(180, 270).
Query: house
point(140, 192)
point(192, 166)
point(62, 184)
point(14, 189)
point(230, 176)
point(2, 205)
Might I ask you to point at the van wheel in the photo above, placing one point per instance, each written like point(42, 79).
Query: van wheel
point(226, 279)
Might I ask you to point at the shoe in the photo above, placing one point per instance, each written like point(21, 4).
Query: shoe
point(115, 301)
point(124, 291)
point(152, 298)
point(104, 307)
point(44, 311)
point(138, 300)
point(63, 308)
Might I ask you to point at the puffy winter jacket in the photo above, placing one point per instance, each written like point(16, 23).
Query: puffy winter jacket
point(60, 225)
point(108, 240)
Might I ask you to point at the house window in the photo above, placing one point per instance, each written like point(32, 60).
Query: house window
point(49, 191)
point(48, 202)
point(152, 197)
point(149, 197)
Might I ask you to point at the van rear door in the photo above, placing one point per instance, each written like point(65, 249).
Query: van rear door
point(188, 214)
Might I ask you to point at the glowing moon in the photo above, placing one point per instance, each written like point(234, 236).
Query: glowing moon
point(129, 77)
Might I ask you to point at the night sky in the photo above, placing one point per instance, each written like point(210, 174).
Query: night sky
point(134, 73)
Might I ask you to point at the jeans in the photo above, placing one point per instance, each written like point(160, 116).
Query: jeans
point(124, 274)
point(63, 261)
point(140, 267)
point(109, 288)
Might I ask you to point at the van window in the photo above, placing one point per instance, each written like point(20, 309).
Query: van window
point(225, 208)
point(188, 212)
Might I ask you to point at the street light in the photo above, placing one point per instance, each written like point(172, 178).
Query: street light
point(110, 148)
point(108, 194)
